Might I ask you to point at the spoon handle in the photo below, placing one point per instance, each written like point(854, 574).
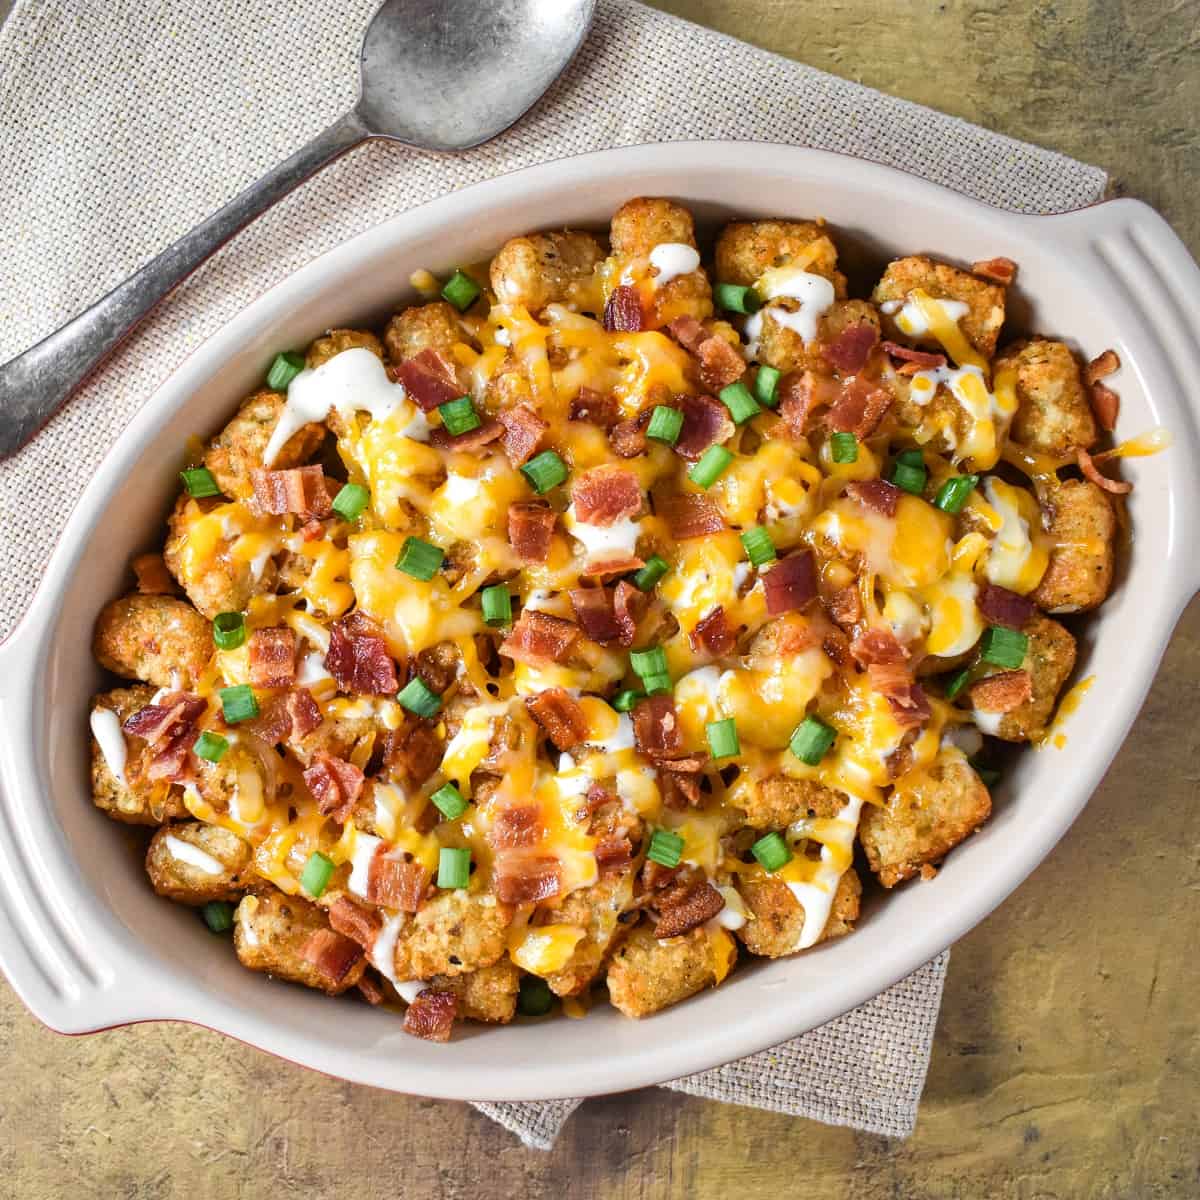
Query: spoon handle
point(35, 384)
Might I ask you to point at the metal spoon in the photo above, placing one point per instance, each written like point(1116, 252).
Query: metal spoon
point(436, 74)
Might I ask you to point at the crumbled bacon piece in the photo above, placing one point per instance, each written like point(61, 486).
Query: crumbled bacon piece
point(791, 583)
point(801, 394)
point(597, 408)
point(331, 953)
point(523, 432)
point(272, 654)
point(688, 332)
point(628, 606)
point(358, 659)
point(1106, 404)
point(1102, 366)
point(370, 990)
point(679, 781)
point(859, 407)
point(1118, 487)
point(998, 270)
point(689, 514)
point(686, 906)
point(656, 877)
point(302, 711)
point(523, 878)
point(852, 347)
point(352, 920)
point(656, 727)
point(157, 723)
point(844, 604)
point(412, 753)
point(706, 422)
point(907, 700)
point(517, 825)
point(335, 785)
point(876, 494)
point(605, 495)
point(613, 854)
point(287, 718)
point(531, 529)
point(1003, 607)
point(538, 638)
point(438, 665)
point(296, 490)
point(712, 632)
point(1003, 692)
point(153, 578)
point(560, 715)
point(874, 646)
point(428, 379)
point(597, 798)
point(474, 439)
point(431, 1015)
point(595, 612)
point(628, 438)
point(720, 363)
point(623, 311)
point(396, 882)
point(609, 567)
point(311, 530)
point(925, 360)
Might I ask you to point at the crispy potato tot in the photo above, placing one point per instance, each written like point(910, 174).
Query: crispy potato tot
point(453, 934)
point(597, 910)
point(1080, 519)
point(1053, 414)
point(545, 268)
point(777, 918)
point(780, 800)
point(647, 975)
point(1049, 661)
point(748, 249)
point(158, 639)
point(488, 994)
point(337, 340)
point(192, 863)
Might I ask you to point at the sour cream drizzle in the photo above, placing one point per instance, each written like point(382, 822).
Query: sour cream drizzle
point(815, 896)
point(106, 729)
point(192, 855)
point(673, 259)
point(814, 292)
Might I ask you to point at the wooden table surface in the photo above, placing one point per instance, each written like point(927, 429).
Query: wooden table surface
point(1067, 1057)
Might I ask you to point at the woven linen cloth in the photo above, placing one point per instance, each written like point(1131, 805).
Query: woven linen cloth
point(123, 123)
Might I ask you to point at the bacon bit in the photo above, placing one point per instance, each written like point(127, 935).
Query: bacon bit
point(531, 529)
point(335, 785)
point(597, 408)
point(474, 439)
point(157, 723)
point(311, 530)
point(852, 347)
point(623, 312)
point(431, 1015)
point(923, 359)
point(628, 438)
point(1003, 607)
point(396, 882)
point(629, 605)
point(598, 796)
point(331, 953)
point(859, 408)
point(604, 495)
point(706, 422)
point(153, 578)
point(1102, 366)
point(537, 638)
point(679, 781)
point(370, 991)
point(998, 270)
point(288, 717)
point(429, 379)
point(523, 878)
point(354, 921)
point(656, 727)
point(303, 712)
point(907, 700)
point(686, 906)
point(791, 583)
point(837, 647)
point(1118, 487)
point(613, 854)
point(720, 363)
point(1106, 404)
point(438, 666)
point(712, 632)
point(517, 825)
point(560, 715)
point(412, 754)
point(1003, 692)
point(594, 611)
point(296, 490)
point(801, 395)
point(358, 660)
point(688, 332)
point(272, 654)
point(523, 432)
point(877, 646)
point(844, 605)
point(689, 514)
point(876, 494)
point(900, 760)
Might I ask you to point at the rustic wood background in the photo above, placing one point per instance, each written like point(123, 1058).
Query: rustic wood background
point(1067, 1057)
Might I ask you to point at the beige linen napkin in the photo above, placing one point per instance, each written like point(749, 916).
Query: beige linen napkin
point(122, 124)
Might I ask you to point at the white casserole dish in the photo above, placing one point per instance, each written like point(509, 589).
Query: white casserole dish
point(87, 945)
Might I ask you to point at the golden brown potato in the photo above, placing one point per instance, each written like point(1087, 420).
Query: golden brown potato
point(1053, 414)
point(1049, 661)
point(158, 639)
point(984, 300)
point(596, 909)
point(191, 862)
point(645, 222)
point(1080, 519)
point(454, 933)
point(786, 350)
point(544, 268)
point(747, 249)
point(923, 824)
point(337, 340)
point(489, 994)
point(647, 975)
point(433, 326)
point(780, 800)
point(238, 449)
point(777, 919)
point(270, 931)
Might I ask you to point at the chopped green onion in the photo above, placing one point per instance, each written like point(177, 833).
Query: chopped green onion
point(733, 297)
point(952, 495)
point(990, 776)
point(844, 447)
point(742, 406)
point(723, 738)
point(656, 567)
point(284, 369)
point(218, 915)
point(758, 545)
point(238, 703)
point(534, 997)
point(1003, 647)
point(708, 470)
point(772, 852)
point(454, 867)
point(459, 416)
point(419, 559)
point(199, 482)
point(417, 697)
point(649, 662)
point(956, 683)
point(766, 386)
point(314, 879)
point(665, 424)
point(544, 471)
point(210, 746)
point(229, 630)
point(666, 848)
point(911, 458)
point(624, 701)
point(812, 740)
point(656, 684)
point(350, 501)
point(448, 800)
point(497, 604)
point(909, 478)
point(461, 290)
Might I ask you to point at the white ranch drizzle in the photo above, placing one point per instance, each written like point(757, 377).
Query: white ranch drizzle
point(106, 729)
point(192, 855)
point(814, 292)
point(816, 895)
point(672, 259)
